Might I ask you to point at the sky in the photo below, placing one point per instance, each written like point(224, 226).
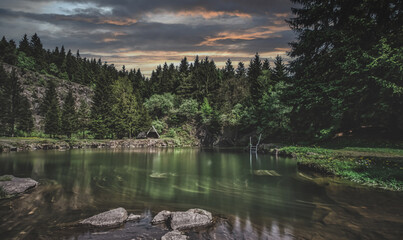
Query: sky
point(145, 33)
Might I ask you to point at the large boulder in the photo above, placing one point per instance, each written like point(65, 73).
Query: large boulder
point(13, 185)
point(192, 218)
point(106, 219)
point(174, 235)
point(161, 217)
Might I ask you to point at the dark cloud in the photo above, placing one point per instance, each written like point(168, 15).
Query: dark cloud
point(134, 31)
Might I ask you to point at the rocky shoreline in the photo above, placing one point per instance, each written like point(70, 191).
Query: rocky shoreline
point(32, 145)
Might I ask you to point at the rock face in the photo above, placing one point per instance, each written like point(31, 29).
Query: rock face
point(161, 217)
point(192, 218)
point(106, 219)
point(174, 235)
point(13, 185)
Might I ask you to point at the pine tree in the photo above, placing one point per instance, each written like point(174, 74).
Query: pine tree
point(240, 71)
point(184, 67)
point(50, 107)
point(279, 70)
point(101, 109)
point(125, 109)
point(254, 71)
point(229, 71)
point(24, 46)
point(266, 64)
point(83, 117)
point(5, 100)
point(37, 52)
point(69, 116)
point(25, 121)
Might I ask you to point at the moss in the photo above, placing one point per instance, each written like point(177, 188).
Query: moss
point(5, 178)
point(369, 166)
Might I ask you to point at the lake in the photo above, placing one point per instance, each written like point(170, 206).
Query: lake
point(253, 197)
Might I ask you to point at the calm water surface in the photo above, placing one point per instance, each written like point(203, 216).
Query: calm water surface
point(253, 198)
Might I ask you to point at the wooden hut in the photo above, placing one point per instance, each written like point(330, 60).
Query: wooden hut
point(153, 133)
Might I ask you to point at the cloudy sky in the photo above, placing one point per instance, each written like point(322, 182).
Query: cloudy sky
point(145, 33)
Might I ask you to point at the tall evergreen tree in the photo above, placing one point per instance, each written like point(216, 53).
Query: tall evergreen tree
point(51, 110)
point(279, 70)
point(266, 65)
point(346, 65)
point(69, 116)
point(229, 71)
point(101, 110)
point(24, 46)
point(83, 117)
point(25, 121)
point(240, 70)
point(254, 71)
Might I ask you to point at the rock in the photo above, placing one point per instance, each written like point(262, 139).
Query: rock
point(266, 173)
point(174, 235)
point(133, 217)
point(161, 217)
point(142, 135)
point(110, 218)
point(192, 218)
point(13, 185)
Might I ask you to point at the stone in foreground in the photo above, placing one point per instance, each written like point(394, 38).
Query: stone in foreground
point(13, 185)
point(192, 218)
point(133, 217)
point(107, 219)
point(161, 217)
point(174, 235)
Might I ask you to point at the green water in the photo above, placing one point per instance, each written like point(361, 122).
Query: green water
point(252, 198)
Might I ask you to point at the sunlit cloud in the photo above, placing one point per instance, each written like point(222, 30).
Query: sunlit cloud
point(212, 14)
point(248, 34)
point(143, 34)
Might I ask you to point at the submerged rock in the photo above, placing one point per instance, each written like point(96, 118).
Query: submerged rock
point(174, 235)
point(266, 173)
point(161, 217)
point(110, 218)
point(13, 185)
point(133, 217)
point(192, 218)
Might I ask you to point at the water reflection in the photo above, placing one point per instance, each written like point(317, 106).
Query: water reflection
point(258, 197)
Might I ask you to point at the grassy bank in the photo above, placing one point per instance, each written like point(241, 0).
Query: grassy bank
point(374, 166)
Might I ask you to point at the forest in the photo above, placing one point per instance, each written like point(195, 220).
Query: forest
point(345, 75)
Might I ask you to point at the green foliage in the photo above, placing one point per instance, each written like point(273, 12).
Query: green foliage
point(160, 105)
point(25, 62)
point(159, 125)
point(347, 69)
point(189, 108)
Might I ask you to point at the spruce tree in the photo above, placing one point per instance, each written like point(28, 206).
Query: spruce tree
point(25, 121)
point(254, 71)
point(51, 111)
point(101, 110)
point(240, 70)
point(69, 115)
point(24, 46)
point(279, 70)
point(229, 71)
point(83, 117)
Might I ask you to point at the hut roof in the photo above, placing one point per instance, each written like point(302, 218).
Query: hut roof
point(153, 130)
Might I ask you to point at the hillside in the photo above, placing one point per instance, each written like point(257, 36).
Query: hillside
point(34, 86)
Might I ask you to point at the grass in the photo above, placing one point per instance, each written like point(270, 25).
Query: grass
point(374, 166)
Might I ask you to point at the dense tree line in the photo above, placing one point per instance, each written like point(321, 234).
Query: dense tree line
point(345, 74)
